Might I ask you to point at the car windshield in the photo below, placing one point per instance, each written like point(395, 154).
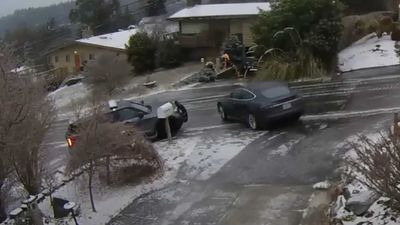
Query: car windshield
point(275, 92)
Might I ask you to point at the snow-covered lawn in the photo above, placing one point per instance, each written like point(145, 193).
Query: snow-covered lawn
point(65, 95)
point(195, 156)
point(365, 53)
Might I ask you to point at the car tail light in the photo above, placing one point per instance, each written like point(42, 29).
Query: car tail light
point(71, 141)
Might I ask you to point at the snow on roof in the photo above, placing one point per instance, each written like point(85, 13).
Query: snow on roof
point(221, 10)
point(112, 40)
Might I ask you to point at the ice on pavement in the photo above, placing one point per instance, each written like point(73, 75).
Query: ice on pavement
point(212, 152)
point(365, 54)
point(285, 148)
point(322, 185)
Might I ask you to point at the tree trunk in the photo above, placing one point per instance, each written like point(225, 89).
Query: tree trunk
point(108, 170)
point(90, 186)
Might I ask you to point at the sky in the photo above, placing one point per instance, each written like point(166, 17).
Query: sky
point(9, 6)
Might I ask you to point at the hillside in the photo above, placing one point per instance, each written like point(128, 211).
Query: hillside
point(33, 17)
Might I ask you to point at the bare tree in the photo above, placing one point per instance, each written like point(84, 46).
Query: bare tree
point(107, 73)
point(25, 116)
point(378, 161)
point(5, 123)
point(99, 142)
point(26, 137)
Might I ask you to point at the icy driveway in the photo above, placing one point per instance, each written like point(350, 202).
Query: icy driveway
point(268, 182)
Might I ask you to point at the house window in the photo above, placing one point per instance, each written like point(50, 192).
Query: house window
point(91, 57)
point(67, 58)
point(56, 59)
point(193, 27)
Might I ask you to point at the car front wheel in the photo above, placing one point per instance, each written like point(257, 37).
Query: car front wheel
point(252, 122)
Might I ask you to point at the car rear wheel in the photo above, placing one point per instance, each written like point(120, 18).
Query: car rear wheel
point(252, 122)
point(222, 113)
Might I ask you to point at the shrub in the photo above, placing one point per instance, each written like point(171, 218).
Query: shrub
point(170, 54)
point(386, 24)
point(234, 48)
point(373, 26)
point(287, 68)
point(322, 29)
point(396, 32)
point(378, 163)
point(141, 50)
point(359, 27)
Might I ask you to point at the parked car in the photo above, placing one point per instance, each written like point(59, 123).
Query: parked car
point(69, 81)
point(259, 105)
point(141, 116)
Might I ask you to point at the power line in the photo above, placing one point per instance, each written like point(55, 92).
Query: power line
point(59, 35)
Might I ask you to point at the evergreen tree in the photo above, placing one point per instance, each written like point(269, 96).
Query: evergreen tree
point(156, 7)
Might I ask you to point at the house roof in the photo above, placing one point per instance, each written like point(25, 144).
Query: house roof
point(115, 40)
point(221, 10)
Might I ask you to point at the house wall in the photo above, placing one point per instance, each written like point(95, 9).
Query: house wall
point(221, 27)
point(243, 27)
point(204, 38)
point(65, 57)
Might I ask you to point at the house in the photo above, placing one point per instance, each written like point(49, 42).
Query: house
point(72, 56)
point(203, 28)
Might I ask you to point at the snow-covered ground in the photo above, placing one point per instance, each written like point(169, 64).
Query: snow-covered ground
point(196, 156)
point(365, 53)
point(68, 98)
point(378, 213)
point(64, 96)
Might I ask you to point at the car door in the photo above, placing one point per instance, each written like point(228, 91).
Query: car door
point(126, 115)
point(132, 116)
point(231, 108)
point(242, 103)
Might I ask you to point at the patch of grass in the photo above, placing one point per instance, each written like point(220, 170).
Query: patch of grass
point(286, 68)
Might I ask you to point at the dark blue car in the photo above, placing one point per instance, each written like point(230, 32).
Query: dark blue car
point(261, 104)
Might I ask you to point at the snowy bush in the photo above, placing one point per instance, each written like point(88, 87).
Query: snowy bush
point(377, 165)
point(111, 149)
point(170, 54)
